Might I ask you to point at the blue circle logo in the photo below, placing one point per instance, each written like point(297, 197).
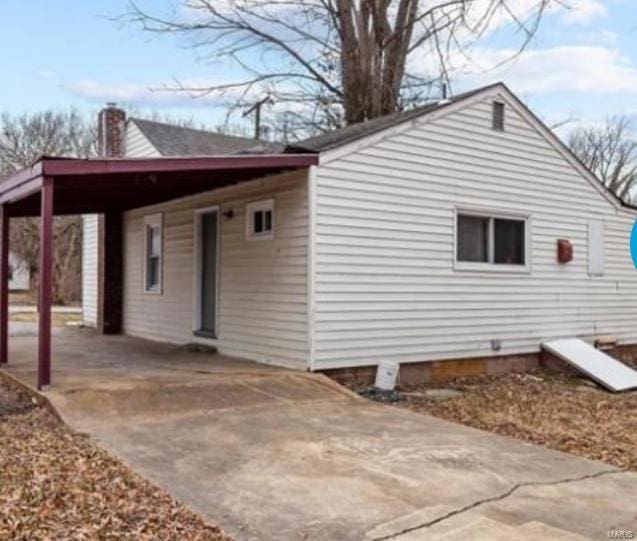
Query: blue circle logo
point(633, 244)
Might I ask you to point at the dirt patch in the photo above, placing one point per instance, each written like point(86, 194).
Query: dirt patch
point(561, 412)
point(56, 484)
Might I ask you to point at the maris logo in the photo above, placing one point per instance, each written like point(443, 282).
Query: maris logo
point(633, 244)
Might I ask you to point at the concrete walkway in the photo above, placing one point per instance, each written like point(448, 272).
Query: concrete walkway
point(272, 454)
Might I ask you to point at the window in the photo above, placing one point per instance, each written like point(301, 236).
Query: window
point(260, 220)
point(490, 240)
point(153, 253)
point(498, 116)
point(473, 239)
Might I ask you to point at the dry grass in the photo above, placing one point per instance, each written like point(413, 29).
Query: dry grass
point(56, 484)
point(57, 318)
point(558, 411)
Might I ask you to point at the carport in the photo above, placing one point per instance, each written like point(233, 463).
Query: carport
point(57, 186)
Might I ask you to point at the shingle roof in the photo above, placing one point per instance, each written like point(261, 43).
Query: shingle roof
point(351, 133)
point(172, 140)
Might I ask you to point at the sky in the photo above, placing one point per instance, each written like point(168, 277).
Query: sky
point(581, 66)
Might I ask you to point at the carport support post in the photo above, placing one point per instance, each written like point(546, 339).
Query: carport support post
point(110, 273)
point(4, 284)
point(46, 283)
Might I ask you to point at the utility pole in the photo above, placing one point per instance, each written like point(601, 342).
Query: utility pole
point(256, 109)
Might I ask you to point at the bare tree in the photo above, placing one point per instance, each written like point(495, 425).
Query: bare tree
point(23, 140)
point(337, 61)
point(27, 137)
point(609, 151)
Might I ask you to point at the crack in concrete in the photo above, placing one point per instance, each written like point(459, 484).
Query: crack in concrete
point(499, 497)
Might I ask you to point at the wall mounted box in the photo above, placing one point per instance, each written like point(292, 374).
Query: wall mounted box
point(564, 251)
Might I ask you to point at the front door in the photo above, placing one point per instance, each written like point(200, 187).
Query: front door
point(208, 273)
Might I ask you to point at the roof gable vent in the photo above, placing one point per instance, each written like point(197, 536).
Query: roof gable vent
point(498, 116)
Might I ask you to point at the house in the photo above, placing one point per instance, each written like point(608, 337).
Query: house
point(141, 138)
point(453, 238)
point(20, 274)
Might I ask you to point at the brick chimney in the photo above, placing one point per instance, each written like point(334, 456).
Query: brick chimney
point(110, 131)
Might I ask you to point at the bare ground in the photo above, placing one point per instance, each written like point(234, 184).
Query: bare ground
point(562, 412)
point(57, 318)
point(57, 484)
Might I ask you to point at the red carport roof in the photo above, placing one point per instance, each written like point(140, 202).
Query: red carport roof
point(107, 185)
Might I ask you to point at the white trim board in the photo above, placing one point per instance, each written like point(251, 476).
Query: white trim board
point(311, 264)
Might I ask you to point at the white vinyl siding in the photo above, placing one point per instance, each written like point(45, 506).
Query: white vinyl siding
point(596, 247)
point(386, 287)
point(89, 269)
point(136, 144)
point(262, 285)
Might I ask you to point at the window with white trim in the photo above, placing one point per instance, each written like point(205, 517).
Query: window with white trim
point(484, 239)
point(153, 253)
point(260, 220)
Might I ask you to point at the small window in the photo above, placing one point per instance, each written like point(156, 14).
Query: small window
point(498, 116)
point(153, 253)
point(260, 220)
point(492, 240)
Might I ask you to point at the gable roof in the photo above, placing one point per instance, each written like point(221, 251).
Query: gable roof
point(170, 140)
point(336, 138)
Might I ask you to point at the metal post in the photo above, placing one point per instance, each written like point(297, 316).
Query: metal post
point(4, 284)
point(46, 283)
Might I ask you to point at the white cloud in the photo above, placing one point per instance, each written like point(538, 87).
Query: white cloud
point(93, 90)
point(594, 69)
point(583, 11)
point(156, 95)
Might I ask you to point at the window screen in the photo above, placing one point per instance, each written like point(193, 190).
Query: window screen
point(472, 242)
point(508, 241)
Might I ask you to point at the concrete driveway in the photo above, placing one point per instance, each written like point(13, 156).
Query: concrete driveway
point(271, 454)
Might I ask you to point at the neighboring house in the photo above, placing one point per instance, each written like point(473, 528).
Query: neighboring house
point(19, 274)
point(440, 233)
